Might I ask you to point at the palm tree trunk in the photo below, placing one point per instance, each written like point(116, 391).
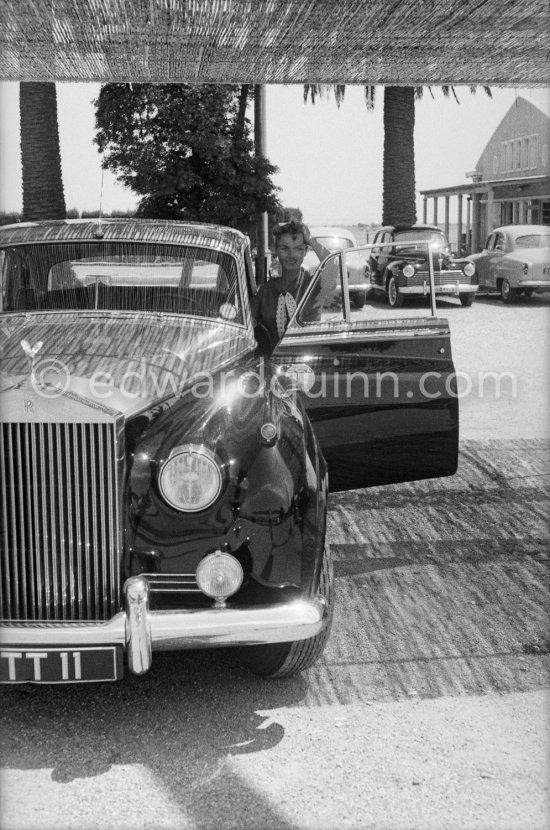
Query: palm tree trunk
point(399, 188)
point(43, 196)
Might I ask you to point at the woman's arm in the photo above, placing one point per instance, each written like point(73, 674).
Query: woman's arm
point(318, 249)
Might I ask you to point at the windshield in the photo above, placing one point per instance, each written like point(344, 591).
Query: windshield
point(435, 238)
point(119, 276)
point(533, 240)
point(335, 243)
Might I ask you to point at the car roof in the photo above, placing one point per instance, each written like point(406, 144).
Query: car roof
point(126, 230)
point(331, 230)
point(416, 227)
point(517, 230)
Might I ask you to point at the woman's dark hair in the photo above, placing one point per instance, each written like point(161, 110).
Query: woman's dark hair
point(293, 228)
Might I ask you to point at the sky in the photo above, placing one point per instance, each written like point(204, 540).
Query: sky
point(329, 157)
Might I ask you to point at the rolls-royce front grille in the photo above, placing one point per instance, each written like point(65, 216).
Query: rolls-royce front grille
point(59, 522)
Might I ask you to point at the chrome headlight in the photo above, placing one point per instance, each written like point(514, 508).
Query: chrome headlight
point(408, 270)
point(469, 269)
point(190, 479)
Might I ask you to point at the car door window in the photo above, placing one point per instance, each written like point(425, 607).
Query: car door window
point(500, 244)
point(363, 375)
point(325, 302)
point(339, 296)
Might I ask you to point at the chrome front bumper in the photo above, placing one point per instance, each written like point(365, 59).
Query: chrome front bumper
point(141, 631)
point(450, 289)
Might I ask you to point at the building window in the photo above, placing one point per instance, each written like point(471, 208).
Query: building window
point(533, 151)
point(495, 165)
point(524, 154)
point(508, 156)
point(517, 154)
point(544, 155)
point(503, 156)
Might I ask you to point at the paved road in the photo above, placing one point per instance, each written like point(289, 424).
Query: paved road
point(429, 709)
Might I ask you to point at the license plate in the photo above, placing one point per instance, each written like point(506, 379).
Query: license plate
point(60, 665)
point(445, 289)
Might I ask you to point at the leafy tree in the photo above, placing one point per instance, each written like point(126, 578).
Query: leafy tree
point(43, 196)
point(187, 150)
point(399, 187)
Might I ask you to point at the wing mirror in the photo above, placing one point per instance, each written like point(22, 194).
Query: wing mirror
point(290, 379)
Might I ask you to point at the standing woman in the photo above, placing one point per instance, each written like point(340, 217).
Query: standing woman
point(276, 300)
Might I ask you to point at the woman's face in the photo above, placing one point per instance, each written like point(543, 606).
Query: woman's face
point(291, 251)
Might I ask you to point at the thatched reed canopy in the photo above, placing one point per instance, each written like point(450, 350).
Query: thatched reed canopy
point(396, 42)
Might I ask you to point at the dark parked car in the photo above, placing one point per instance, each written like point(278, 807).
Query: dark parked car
point(515, 261)
point(400, 265)
point(164, 483)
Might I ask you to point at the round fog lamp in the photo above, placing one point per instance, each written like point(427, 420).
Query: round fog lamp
point(469, 269)
point(408, 271)
point(268, 433)
point(219, 575)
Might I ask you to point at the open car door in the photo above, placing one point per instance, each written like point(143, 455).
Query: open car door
point(379, 390)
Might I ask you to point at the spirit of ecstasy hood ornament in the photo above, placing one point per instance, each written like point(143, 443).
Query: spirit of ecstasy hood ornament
point(31, 352)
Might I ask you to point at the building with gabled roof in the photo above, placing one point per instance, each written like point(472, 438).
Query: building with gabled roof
point(511, 181)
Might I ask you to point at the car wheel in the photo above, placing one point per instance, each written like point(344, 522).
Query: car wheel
point(467, 299)
point(507, 293)
point(286, 659)
point(395, 299)
point(358, 299)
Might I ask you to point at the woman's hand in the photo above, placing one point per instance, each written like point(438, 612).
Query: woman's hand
point(307, 235)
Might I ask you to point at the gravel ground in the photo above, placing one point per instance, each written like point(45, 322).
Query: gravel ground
point(429, 709)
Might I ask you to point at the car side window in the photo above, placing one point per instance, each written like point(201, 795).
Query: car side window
point(499, 242)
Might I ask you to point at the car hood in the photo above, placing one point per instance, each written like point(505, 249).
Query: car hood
point(118, 363)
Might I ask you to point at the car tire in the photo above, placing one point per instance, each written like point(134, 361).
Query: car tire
point(507, 293)
point(287, 659)
point(467, 299)
point(395, 299)
point(358, 299)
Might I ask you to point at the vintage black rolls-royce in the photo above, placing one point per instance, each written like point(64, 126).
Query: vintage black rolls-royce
point(164, 479)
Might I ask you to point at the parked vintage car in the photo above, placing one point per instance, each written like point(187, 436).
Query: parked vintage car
point(400, 265)
point(515, 261)
point(341, 239)
point(164, 479)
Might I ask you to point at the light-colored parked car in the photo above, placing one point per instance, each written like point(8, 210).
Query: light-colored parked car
point(515, 261)
point(341, 239)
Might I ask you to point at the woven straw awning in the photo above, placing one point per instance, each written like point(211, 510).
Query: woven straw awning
point(401, 42)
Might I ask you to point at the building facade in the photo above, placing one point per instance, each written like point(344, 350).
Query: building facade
point(510, 183)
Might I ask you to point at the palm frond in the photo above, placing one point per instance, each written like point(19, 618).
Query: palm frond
point(370, 95)
point(314, 91)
